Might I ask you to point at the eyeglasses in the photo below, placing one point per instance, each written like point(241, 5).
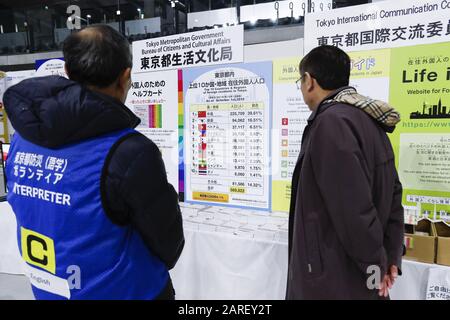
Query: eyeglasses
point(299, 82)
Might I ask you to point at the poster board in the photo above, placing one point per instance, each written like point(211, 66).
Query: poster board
point(12, 78)
point(400, 54)
point(153, 97)
point(290, 115)
point(227, 136)
point(4, 135)
point(50, 67)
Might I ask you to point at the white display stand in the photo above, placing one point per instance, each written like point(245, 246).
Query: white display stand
point(10, 260)
point(228, 255)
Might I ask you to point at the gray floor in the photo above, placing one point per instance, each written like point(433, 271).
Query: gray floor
point(15, 287)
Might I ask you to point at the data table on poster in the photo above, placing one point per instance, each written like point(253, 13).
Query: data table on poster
point(227, 135)
point(229, 153)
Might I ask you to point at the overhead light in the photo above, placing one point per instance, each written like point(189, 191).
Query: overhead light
point(46, 7)
point(253, 21)
point(88, 16)
point(172, 4)
point(139, 10)
point(180, 3)
point(118, 12)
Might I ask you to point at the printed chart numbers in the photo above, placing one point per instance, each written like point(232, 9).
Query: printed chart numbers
point(228, 150)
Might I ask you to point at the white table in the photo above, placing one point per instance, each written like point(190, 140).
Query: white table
point(10, 260)
point(227, 259)
point(220, 266)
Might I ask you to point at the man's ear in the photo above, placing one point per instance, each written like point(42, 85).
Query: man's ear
point(65, 70)
point(124, 79)
point(309, 82)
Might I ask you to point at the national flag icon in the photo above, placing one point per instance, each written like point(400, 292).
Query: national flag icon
point(284, 153)
point(285, 121)
point(202, 168)
point(284, 143)
point(202, 129)
point(202, 114)
point(285, 132)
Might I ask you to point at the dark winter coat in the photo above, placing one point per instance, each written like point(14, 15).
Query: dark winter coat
point(346, 212)
point(54, 111)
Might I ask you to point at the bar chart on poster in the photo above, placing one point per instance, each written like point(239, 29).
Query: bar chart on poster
point(227, 142)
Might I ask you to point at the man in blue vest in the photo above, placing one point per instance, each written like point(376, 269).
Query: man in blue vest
point(96, 216)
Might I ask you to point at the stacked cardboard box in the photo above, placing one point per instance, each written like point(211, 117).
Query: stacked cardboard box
point(428, 242)
point(443, 243)
point(420, 242)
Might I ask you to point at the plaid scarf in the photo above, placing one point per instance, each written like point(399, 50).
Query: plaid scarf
point(379, 110)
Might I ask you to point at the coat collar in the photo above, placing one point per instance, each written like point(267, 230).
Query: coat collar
point(324, 106)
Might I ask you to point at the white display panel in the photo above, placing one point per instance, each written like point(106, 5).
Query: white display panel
point(227, 136)
point(290, 117)
point(153, 97)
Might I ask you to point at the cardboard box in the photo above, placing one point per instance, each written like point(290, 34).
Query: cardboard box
point(443, 243)
point(421, 247)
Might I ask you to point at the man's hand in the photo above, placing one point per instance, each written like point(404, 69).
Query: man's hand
point(388, 281)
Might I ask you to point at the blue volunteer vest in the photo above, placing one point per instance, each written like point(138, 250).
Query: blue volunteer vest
point(71, 248)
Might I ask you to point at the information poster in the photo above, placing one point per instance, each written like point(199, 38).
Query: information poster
point(153, 97)
point(290, 115)
point(4, 137)
point(370, 73)
point(400, 53)
point(420, 90)
point(227, 135)
point(2, 84)
point(12, 78)
point(50, 67)
point(193, 49)
point(380, 25)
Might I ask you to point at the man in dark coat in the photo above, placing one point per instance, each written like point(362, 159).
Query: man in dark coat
point(346, 218)
point(124, 228)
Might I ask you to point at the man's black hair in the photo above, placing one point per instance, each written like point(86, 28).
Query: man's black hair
point(329, 65)
point(96, 55)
